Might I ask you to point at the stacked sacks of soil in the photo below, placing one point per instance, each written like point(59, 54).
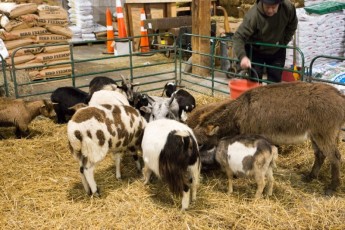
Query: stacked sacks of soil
point(28, 24)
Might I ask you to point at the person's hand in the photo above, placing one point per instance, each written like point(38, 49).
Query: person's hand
point(245, 63)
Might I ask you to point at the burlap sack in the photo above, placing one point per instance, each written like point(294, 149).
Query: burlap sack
point(55, 49)
point(56, 14)
point(18, 25)
point(7, 36)
point(52, 22)
point(51, 38)
point(50, 73)
point(20, 59)
point(10, 45)
point(65, 31)
point(31, 66)
point(59, 65)
point(16, 34)
point(45, 7)
point(15, 10)
point(28, 18)
point(45, 57)
point(25, 51)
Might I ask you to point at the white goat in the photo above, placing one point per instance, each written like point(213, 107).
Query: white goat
point(160, 107)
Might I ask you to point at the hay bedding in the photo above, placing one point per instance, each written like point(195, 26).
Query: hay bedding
point(41, 189)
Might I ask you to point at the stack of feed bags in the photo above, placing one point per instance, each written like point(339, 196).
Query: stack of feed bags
point(318, 35)
point(28, 24)
point(80, 15)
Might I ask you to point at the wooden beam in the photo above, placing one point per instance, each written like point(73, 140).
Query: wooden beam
point(201, 25)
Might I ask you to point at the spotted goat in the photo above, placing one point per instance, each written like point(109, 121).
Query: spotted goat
point(96, 130)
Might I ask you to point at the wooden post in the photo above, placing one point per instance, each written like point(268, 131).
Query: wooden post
point(201, 25)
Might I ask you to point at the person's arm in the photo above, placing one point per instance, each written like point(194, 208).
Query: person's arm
point(241, 36)
point(292, 25)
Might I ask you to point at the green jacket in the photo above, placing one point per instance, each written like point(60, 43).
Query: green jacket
point(257, 27)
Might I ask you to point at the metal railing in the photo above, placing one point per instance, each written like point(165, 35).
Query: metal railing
point(4, 85)
point(136, 66)
point(212, 82)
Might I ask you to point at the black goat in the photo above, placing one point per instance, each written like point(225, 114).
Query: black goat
point(66, 97)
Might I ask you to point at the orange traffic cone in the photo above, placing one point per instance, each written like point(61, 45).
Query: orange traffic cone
point(144, 40)
point(110, 32)
point(120, 21)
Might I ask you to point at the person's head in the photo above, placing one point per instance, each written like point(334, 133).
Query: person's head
point(270, 7)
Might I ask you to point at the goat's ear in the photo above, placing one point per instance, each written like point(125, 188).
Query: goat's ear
point(146, 109)
point(211, 130)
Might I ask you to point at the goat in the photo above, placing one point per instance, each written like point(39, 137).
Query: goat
point(140, 100)
point(160, 107)
point(94, 131)
point(170, 151)
point(108, 97)
point(66, 97)
point(19, 113)
point(250, 155)
point(106, 83)
point(184, 99)
point(284, 113)
point(101, 82)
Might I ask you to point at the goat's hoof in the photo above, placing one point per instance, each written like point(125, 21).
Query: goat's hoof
point(308, 178)
point(329, 192)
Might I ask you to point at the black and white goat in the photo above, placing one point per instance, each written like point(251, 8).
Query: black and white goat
point(185, 100)
point(105, 83)
point(101, 82)
point(170, 151)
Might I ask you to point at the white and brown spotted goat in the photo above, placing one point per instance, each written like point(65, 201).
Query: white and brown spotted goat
point(95, 131)
point(248, 155)
point(283, 113)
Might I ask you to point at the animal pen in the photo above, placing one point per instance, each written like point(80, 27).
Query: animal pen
point(41, 188)
point(151, 73)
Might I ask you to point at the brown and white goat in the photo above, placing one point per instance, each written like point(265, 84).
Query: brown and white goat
point(19, 113)
point(170, 151)
point(94, 131)
point(284, 113)
point(249, 155)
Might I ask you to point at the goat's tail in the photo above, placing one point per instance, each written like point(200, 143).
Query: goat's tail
point(274, 156)
point(175, 159)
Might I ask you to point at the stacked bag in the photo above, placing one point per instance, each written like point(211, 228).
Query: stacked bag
point(80, 16)
point(28, 24)
point(319, 35)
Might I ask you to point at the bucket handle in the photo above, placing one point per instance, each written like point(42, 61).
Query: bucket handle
point(255, 73)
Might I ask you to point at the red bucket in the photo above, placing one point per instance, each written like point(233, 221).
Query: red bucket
point(239, 86)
